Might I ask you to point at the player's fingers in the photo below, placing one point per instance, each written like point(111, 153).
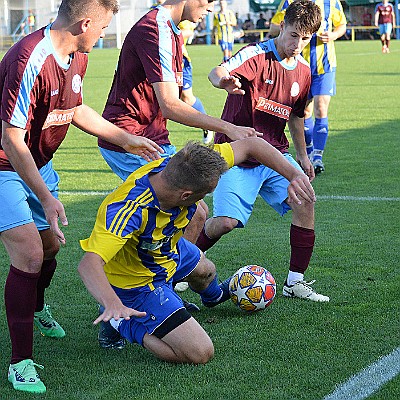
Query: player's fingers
point(56, 230)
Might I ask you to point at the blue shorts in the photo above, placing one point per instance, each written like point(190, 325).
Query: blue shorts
point(385, 29)
point(19, 205)
point(238, 188)
point(225, 45)
point(187, 74)
point(324, 84)
point(123, 164)
point(164, 308)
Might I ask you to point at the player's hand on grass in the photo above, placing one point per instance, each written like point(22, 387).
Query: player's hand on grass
point(231, 84)
point(116, 311)
point(300, 189)
point(143, 147)
point(54, 211)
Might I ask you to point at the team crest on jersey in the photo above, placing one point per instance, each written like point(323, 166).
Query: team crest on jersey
point(273, 108)
point(295, 89)
point(76, 83)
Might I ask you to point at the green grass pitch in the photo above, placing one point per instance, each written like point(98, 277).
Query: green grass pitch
point(294, 350)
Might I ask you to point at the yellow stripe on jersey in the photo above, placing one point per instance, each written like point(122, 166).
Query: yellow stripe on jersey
point(122, 218)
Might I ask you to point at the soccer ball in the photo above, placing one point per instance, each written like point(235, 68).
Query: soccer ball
point(252, 288)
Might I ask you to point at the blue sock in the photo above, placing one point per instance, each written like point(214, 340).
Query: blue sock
point(198, 105)
point(212, 293)
point(320, 137)
point(308, 134)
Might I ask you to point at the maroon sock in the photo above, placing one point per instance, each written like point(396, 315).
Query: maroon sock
point(20, 301)
point(204, 242)
point(48, 269)
point(302, 245)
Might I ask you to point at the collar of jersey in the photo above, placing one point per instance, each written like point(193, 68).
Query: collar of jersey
point(167, 15)
point(53, 51)
point(271, 43)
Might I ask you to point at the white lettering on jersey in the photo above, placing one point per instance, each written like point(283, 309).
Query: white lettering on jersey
point(273, 108)
point(59, 117)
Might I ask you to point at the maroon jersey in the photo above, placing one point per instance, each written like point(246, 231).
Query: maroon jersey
point(152, 52)
point(273, 90)
point(385, 13)
point(39, 93)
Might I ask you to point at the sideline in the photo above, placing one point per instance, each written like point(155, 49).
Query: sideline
point(369, 380)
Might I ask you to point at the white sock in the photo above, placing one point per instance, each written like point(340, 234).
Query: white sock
point(294, 277)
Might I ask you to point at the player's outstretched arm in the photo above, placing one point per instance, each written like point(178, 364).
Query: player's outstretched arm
point(221, 79)
point(20, 157)
point(173, 108)
point(88, 120)
point(92, 274)
point(300, 186)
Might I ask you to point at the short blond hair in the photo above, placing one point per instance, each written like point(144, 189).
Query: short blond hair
point(74, 10)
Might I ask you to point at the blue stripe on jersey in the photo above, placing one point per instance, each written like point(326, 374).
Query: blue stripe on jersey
point(32, 69)
point(245, 54)
point(166, 43)
point(254, 50)
point(124, 214)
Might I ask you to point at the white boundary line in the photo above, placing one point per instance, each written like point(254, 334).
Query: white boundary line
point(369, 380)
point(319, 197)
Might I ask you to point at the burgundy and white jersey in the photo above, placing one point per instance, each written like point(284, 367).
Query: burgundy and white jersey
point(385, 13)
point(273, 90)
point(152, 52)
point(39, 93)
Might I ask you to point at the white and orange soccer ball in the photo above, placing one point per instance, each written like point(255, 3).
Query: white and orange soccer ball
point(252, 288)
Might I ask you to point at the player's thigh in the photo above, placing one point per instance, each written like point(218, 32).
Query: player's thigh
point(24, 247)
point(236, 193)
point(274, 190)
point(190, 342)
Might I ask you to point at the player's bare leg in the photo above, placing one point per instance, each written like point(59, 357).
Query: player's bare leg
point(188, 343)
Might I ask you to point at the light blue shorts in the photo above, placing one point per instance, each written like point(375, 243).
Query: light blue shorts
point(161, 305)
point(19, 205)
point(238, 188)
point(324, 84)
point(123, 164)
point(385, 29)
point(187, 74)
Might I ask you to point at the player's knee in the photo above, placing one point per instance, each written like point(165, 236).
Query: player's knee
point(31, 261)
point(303, 212)
point(201, 213)
point(205, 270)
point(52, 250)
point(202, 353)
point(227, 224)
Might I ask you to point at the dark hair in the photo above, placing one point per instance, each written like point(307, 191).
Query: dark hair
point(195, 167)
point(73, 10)
point(305, 15)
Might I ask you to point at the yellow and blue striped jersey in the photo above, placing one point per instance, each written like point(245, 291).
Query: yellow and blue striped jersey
point(134, 237)
point(321, 56)
point(224, 23)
